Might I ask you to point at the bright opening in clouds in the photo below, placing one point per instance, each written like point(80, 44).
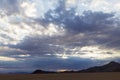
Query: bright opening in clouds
point(58, 34)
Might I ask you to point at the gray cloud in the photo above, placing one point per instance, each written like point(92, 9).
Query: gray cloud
point(72, 42)
point(91, 21)
point(9, 7)
point(87, 30)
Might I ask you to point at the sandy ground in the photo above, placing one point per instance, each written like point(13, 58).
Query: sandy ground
point(62, 76)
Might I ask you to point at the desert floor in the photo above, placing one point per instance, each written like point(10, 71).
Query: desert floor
point(62, 76)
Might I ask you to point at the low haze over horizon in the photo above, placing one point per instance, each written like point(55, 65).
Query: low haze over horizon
point(58, 34)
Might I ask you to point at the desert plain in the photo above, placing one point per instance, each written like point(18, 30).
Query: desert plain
point(63, 76)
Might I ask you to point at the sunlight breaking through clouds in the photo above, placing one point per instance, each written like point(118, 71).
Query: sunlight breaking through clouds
point(89, 52)
point(38, 32)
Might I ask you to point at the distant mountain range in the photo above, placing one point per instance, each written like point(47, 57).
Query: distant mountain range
point(110, 67)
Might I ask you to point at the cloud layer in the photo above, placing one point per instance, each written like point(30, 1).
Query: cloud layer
point(60, 34)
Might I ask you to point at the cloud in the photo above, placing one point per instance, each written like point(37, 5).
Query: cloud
point(107, 6)
point(5, 6)
point(29, 9)
point(2, 58)
point(68, 18)
point(58, 34)
point(47, 63)
point(80, 32)
point(58, 63)
point(13, 33)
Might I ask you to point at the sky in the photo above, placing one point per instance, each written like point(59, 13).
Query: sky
point(58, 34)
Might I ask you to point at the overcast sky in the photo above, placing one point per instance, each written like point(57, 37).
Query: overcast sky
point(58, 34)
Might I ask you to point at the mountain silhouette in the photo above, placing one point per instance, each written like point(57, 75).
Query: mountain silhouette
point(41, 72)
point(110, 67)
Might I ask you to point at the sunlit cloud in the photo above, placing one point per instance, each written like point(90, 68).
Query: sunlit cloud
point(89, 52)
point(13, 33)
point(29, 9)
point(3, 58)
point(22, 55)
point(71, 3)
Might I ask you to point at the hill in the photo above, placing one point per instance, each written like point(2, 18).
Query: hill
point(42, 72)
point(110, 67)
